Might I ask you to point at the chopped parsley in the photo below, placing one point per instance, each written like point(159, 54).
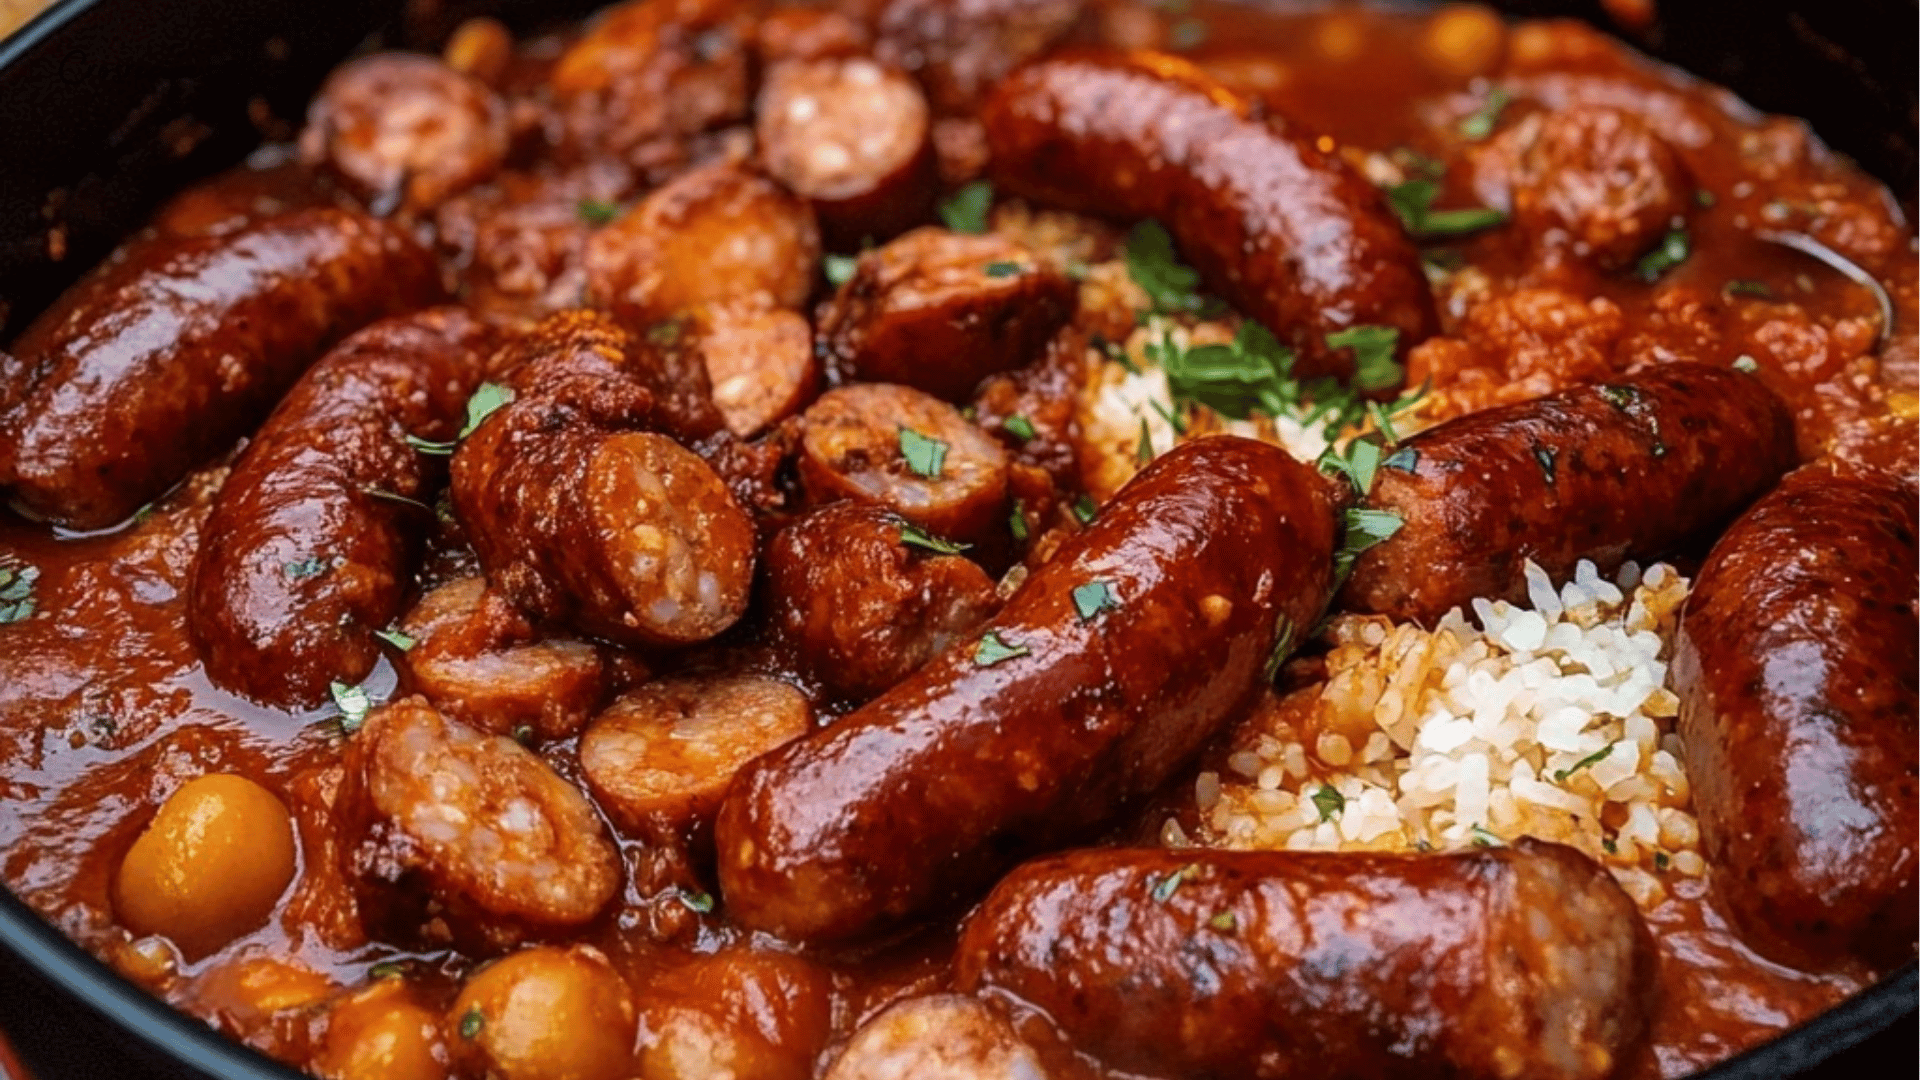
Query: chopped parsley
point(16, 593)
point(1382, 416)
point(1224, 921)
point(993, 649)
point(1374, 367)
point(1143, 454)
point(596, 211)
point(353, 703)
point(1744, 287)
point(1186, 34)
point(302, 569)
point(1152, 263)
point(700, 903)
point(1358, 464)
point(1329, 801)
point(1586, 762)
point(1173, 418)
point(1084, 509)
point(1406, 459)
point(1093, 598)
point(472, 1023)
point(1253, 371)
point(839, 268)
point(1003, 269)
point(1164, 889)
point(1413, 202)
point(1283, 635)
point(925, 455)
point(397, 639)
point(1018, 426)
point(965, 211)
point(1483, 838)
point(914, 536)
point(1672, 251)
point(1548, 459)
point(1362, 530)
point(1480, 123)
point(1017, 521)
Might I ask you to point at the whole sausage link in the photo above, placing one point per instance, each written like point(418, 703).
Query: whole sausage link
point(1103, 673)
point(1627, 469)
point(1495, 963)
point(311, 543)
point(1796, 669)
point(1284, 230)
point(156, 362)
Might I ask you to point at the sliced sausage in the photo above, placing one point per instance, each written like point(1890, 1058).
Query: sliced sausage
point(760, 362)
point(1287, 232)
point(854, 138)
point(478, 660)
point(961, 48)
point(1494, 963)
point(404, 131)
point(859, 607)
point(939, 311)
point(1795, 667)
point(454, 837)
point(1626, 469)
point(718, 233)
point(648, 78)
point(659, 759)
point(582, 513)
point(913, 454)
point(939, 1037)
point(153, 364)
point(745, 1013)
point(314, 538)
point(518, 243)
point(1108, 668)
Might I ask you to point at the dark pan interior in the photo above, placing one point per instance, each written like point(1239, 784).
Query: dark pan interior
point(108, 105)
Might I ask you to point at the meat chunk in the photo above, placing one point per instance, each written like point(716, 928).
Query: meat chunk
point(747, 1013)
point(961, 48)
point(940, 1037)
point(760, 362)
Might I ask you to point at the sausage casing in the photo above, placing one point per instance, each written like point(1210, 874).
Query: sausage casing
point(1501, 962)
point(1129, 649)
point(1796, 669)
point(1627, 469)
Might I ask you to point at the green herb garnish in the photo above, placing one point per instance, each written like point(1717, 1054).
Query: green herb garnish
point(1672, 251)
point(1283, 631)
point(1084, 509)
point(700, 903)
point(1406, 459)
point(596, 211)
point(993, 649)
point(1362, 529)
point(1586, 762)
point(1329, 801)
point(1479, 124)
point(302, 569)
point(472, 1023)
point(353, 703)
point(1374, 367)
point(666, 331)
point(1224, 921)
point(839, 268)
point(1157, 269)
point(1483, 838)
point(16, 593)
point(387, 969)
point(965, 211)
point(1017, 521)
point(1143, 453)
point(397, 639)
point(1358, 464)
point(925, 456)
point(1093, 598)
point(1413, 202)
point(1164, 889)
point(1018, 426)
point(486, 400)
point(914, 536)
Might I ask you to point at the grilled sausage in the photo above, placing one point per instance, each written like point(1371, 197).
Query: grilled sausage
point(404, 131)
point(454, 837)
point(852, 136)
point(1104, 672)
point(913, 454)
point(311, 545)
point(153, 364)
point(582, 513)
point(862, 609)
point(1795, 667)
point(960, 48)
point(718, 233)
point(1627, 469)
point(940, 1037)
point(760, 362)
point(1289, 234)
point(939, 311)
point(1522, 961)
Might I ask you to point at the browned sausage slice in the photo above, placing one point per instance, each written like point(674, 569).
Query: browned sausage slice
point(156, 362)
point(718, 233)
point(1522, 961)
point(760, 362)
point(454, 837)
point(853, 137)
point(405, 131)
point(751, 1014)
point(939, 1037)
point(1284, 230)
point(939, 311)
point(1108, 668)
point(659, 759)
point(913, 454)
point(1627, 469)
point(311, 544)
point(1796, 668)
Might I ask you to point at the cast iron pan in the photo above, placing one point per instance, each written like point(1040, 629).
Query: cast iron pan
point(108, 105)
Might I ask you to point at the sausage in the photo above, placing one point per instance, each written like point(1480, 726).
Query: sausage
point(454, 837)
point(759, 360)
point(717, 233)
point(237, 198)
point(1628, 469)
point(1043, 395)
point(1500, 962)
point(1143, 635)
point(1795, 665)
point(804, 32)
point(961, 48)
point(858, 607)
point(153, 364)
point(648, 78)
point(1289, 234)
point(855, 444)
point(939, 311)
point(478, 660)
point(746, 1013)
point(313, 539)
point(854, 138)
point(1595, 178)
point(582, 513)
point(518, 243)
point(404, 131)
point(659, 759)
point(938, 1037)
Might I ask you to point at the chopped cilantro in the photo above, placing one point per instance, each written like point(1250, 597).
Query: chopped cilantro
point(486, 400)
point(1164, 889)
point(1609, 846)
point(1017, 521)
point(1406, 459)
point(387, 969)
point(1174, 420)
point(700, 903)
point(1018, 426)
point(1093, 598)
point(1362, 530)
point(1374, 367)
point(1283, 637)
point(925, 455)
point(1084, 509)
point(993, 649)
point(965, 211)
point(1253, 371)
point(1143, 453)
point(1329, 801)
point(397, 639)
point(839, 268)
point(1154, 266)
point(1358, 464)
point(1413, 202)
point(1383, 421)
point(16, 593)
point(1003, 269)
point(472, 1023)
point(914, 536)
point(1586, 762)
point(1672, 251)
point(1480, 123)
point(353, 703)
point(596, 211)
point(1483, 838)
point(302, 569)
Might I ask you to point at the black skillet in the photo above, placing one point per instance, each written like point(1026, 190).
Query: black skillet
point(108, 105)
